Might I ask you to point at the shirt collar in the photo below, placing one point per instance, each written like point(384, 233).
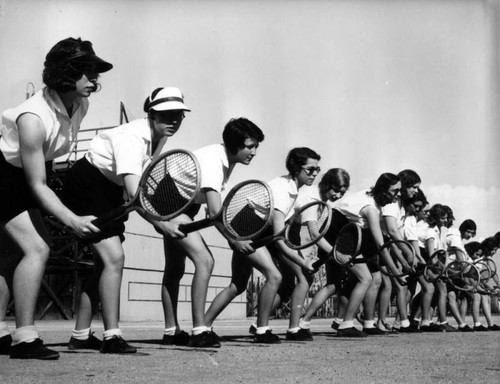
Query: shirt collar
point(55, 101)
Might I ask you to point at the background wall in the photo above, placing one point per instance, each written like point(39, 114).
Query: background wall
point(373, 86)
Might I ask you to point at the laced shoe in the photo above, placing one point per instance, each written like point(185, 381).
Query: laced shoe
point(494, 327)
point(412, 328)
point(5, 342)
point(465, 328)
point(91, 343)
point(117, 345)
point(374, 331)
point(252, 330)
point(301, 335)
point(203, 340)
point(432, 327)
point(350, 332)
point(335, 325)
point(480, 328)
point(181, 338)
point(447, 328)
point(33, 350)
point(267, 338)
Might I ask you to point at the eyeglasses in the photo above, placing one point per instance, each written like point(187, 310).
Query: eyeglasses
point(172, 116)
point(310, 170)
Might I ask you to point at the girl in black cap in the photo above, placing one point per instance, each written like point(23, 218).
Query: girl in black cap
point(32, 135)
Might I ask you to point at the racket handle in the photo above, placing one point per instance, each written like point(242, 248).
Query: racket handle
point(108, 218)
point(195, 226)
point(261, 242)
point(318, 263)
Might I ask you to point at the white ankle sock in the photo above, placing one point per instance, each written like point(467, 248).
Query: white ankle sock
point(304, 324)
point(293, 330)
point(200, 329)
point(346, 324)
point(262, 330)
point(25, 334)
point(4, 329)
point(81, 334)
point(109, 333)
point(405, 323)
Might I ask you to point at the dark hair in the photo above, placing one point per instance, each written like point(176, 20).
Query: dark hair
point(380, 191)
point(408, 179)
point(496, 236)
point(467, 225)
point(64, 66)
point(409, 204)
point(449, 212)
point(148, 99)
point(488, 245)
point(237, 131)
point(335, 177)
point(298, 157)
point(472, 247)
point(436, 212)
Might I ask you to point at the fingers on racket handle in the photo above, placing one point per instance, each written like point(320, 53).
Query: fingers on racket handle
point(261, 242)
point(108, 218)
point(194, 226)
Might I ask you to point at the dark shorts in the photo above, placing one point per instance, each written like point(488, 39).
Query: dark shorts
point(87, 192)
point(369, 250)
point(15, 194)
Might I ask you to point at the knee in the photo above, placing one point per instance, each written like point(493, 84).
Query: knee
point(114, 261)
point(38, 252)
point(376, 281)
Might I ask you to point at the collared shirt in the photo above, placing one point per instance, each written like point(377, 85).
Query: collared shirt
point(396, 211)
point(285, 192)
point(351, 206)
point(215, 169)
point(61, 130)
point(122, 150)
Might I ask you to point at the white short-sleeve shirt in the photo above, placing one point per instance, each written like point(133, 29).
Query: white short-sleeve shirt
point(61, 130)
point(215, 169)
point(393, 210)
point(351, 206)
point(454, 239)
point(122, 150)
point(410, 232)
point(285, 193)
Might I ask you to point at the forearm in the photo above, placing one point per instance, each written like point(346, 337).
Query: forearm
point(50, 203)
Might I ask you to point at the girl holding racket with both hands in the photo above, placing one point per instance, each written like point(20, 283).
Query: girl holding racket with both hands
point(32, 135)
point(241, 139)
point(302, 165)
point(94, 185)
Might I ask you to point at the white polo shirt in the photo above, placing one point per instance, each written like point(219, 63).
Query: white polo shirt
point(410, 228)
point(454, 239)
point(215, 169)
point(352, 205)
point(122, 150)
point(285, 193)
point(61, 130)
point(396, 211)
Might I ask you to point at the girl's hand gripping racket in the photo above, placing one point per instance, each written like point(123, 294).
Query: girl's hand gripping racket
point(167, 187)
point(346, 247)
point(303, 229)
point(402, 255)
point(245, 213)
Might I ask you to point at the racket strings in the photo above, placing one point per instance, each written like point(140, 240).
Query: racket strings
point(248, 210)
point(308, 226)
point(346, 245)
point(170, 184)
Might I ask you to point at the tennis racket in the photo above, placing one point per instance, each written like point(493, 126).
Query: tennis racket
point(346, 248)
point(245, 213)
point(303, 229)
point(491, 265)
point(435, 266)
point(167, 187)
point(462, 275)
point(402, 254)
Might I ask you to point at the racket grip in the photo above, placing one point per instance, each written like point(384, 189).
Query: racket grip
point(108, 218)
point(318, 263)
point(262, 242)
point(195, 226)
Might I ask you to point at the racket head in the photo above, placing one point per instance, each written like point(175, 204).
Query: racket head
point(348, 244)
point(491, 265)
point(307, 225)
point(400, 251)
point(169, 185)
point(484, 271)
point(246, 210)
point(462, 275)
point(435, 266)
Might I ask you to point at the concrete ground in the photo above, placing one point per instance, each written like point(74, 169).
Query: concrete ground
point(402, 358)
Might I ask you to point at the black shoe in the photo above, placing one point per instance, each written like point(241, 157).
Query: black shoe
point(350, 332)
point(465, 328)
point(374, 331)
point(335, 325)
point(480, 328)
point(181, 338)
point(412, 328)
point(447, 328)
point(252, 330)
point(5, 343)
point(301, 335)
point(267, 338)
point(203, 340)
point(91, 343)
point(33, 350)
point(494, 327)
point(117, 345)
point(432, 327)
